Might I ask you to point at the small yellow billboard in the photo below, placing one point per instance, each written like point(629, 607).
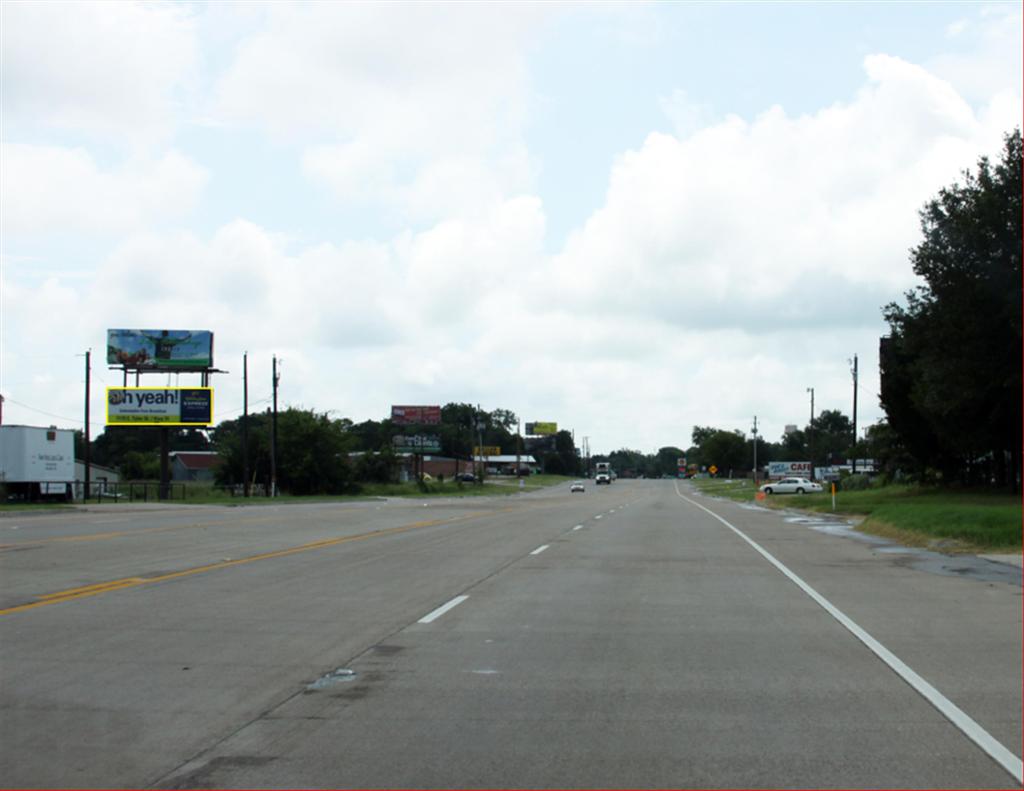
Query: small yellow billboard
point(486, 450)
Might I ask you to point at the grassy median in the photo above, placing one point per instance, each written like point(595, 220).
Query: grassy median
point(951, 520)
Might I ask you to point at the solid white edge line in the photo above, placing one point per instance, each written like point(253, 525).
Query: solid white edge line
point(540, 549)
point(971, 729)
point(433, 616)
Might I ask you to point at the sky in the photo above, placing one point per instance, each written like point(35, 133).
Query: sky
point(628, 219)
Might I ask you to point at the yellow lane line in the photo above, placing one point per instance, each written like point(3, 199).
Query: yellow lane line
point(133, 582)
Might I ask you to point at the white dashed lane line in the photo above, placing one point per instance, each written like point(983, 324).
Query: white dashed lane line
point(433, 616)
point(540, 549)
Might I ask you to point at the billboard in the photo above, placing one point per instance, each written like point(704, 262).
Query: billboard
point(416, 415)
point(784, 469)
point(541, 429)
point(160, 349)
point(159, 406)
point(417, 443)
point(486, 450)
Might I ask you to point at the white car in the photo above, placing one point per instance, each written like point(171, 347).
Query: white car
point(791, 486)
point(577, 486)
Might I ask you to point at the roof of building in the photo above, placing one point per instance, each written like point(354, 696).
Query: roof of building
point(506, 459)
point(197, 459)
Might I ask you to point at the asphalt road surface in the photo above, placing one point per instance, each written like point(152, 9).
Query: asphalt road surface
point(636, 635)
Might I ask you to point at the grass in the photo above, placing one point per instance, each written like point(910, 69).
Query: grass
point(947, 519)
point(30, 507)
point(206, 494)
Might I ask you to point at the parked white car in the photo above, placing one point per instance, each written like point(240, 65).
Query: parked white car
point(791, 486)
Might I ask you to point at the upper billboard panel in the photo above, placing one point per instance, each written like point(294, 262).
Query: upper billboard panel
point(156, 350)
point(540, 429)
point(416, 415)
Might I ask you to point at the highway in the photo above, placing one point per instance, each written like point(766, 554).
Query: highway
point(637, 635)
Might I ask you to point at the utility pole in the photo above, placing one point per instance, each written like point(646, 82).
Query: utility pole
point(85, 434)
point(245, 424)
point(755, 451)
point(519, 450)
point(855, 414)
point(273, 433)
point(810, 431)
point(480, 440)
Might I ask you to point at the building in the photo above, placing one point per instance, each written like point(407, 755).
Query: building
point(193, 465)
point(101, 479)
point(506, 464)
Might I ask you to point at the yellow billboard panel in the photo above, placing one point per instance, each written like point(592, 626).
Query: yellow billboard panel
point(545, 428)
point(159, 406)
point(486, 450)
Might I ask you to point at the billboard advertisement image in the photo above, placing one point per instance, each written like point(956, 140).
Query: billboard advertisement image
point(160, 349)
point(784, 469)
point(416, 415)
point(541, 429)
point(159, 406)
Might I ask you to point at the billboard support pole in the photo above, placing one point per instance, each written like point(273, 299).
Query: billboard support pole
point(165, 450)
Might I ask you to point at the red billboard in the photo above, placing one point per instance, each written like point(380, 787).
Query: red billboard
point(416, 415)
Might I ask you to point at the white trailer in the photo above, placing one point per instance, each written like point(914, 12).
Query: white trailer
point(37, 463)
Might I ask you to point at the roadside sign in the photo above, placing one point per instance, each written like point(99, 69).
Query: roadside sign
point(713, 469)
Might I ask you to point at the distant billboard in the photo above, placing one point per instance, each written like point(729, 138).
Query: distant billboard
point(159, 406)
point(417, 443)
point(416, 415)
point(785, 469)
point(541, 429)
point(160, 349)
point(486, 450)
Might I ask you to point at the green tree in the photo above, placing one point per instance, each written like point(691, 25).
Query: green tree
point(666, 461)
point(831, 435)
point(726, 450)
point(954, 362)
point(312, 453)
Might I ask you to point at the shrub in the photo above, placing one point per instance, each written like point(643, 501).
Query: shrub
point(856, 483)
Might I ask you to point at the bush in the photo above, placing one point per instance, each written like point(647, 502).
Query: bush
point(855, 483)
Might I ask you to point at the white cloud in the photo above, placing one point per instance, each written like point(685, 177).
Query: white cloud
point(48, 188)
point(988, 61)
point(778, 222)
point(406, 98)
point(108, 69)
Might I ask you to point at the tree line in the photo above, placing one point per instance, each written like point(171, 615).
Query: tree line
point(316, 452)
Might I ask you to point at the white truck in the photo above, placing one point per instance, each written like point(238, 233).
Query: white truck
point(37, 463)
point(602, 473)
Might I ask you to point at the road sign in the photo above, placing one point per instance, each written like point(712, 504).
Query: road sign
point(713, 469)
